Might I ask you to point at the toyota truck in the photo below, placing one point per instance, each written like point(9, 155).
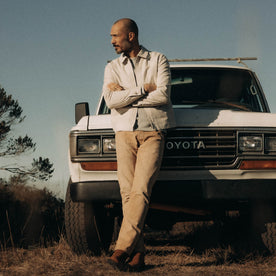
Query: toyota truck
point(220, 159)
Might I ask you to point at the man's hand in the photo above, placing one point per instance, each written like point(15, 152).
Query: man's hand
point(149, 87)
point(114, 87)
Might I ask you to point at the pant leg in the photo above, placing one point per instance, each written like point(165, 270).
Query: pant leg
point(148, 161)
point(126, 151)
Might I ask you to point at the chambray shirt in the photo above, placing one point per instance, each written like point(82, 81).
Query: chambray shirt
point(153, 67)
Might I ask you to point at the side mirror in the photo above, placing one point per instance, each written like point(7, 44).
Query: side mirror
point(81, 109)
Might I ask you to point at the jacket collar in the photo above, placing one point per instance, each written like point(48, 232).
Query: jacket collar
point(144, 53)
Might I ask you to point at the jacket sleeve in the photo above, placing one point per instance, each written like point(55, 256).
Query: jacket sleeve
point(120, 98)
point(160, 96)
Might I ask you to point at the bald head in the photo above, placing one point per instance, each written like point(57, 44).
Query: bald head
point(128, 25)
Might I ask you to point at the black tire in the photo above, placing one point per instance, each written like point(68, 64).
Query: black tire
point(269, 237)
point(89, 227)
point(264, 223)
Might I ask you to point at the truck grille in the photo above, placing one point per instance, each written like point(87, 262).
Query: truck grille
point(200, 148)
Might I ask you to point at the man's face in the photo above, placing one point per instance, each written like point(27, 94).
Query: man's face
point(120, 39)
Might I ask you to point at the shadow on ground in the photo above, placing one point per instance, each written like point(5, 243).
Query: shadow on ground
point(229, 242)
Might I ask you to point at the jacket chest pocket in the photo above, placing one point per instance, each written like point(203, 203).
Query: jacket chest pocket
point(149, 74)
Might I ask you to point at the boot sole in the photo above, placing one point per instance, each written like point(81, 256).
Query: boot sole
point(117, 266)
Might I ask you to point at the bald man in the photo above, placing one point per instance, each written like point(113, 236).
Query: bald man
point(137, 90)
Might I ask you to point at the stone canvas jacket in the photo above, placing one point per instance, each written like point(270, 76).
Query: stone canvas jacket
point(154, 68)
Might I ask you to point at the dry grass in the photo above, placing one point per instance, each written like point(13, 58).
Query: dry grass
point(188, 249)
point(161, 260)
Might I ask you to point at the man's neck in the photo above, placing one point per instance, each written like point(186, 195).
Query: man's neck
point(133, 52)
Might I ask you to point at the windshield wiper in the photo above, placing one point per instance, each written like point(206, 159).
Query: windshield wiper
point(190, 102)
point(194, 102)
point(242, 107)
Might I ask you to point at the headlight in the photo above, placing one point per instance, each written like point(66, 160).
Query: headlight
point(250, 143)
point(109, 145)
point(89, 146)
point(270, 143)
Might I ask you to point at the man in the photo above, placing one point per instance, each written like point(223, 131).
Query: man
point(137, 90)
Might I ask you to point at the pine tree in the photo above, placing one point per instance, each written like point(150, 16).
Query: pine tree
point(10, 116)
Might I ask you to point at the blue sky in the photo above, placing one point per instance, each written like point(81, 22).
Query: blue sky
point(53, 53)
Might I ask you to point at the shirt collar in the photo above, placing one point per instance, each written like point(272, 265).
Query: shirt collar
point(143, 53)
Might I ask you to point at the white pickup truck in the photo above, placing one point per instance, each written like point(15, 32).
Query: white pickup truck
point(220, 159)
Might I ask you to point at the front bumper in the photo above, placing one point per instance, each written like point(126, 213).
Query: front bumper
point(177, 191)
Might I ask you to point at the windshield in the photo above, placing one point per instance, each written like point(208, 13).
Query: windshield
point(215, 88)
point(212, 88)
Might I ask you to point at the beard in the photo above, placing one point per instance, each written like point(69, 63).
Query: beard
point(118, 50)
point(124, 48)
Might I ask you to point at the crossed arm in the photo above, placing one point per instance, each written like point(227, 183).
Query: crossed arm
point(151, 94)
point(148, 87)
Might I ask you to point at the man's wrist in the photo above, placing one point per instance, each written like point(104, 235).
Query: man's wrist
point(144, 91)
point(149, 87)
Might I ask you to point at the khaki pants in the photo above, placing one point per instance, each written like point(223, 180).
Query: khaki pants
point(139, 156)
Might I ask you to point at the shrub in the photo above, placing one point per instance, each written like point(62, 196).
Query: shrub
point(28, 216)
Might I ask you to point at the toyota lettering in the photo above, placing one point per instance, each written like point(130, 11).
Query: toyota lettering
point(186, 145)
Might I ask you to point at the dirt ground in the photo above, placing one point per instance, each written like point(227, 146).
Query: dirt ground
point(188, 249)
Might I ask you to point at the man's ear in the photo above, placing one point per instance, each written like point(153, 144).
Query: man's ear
point(131, 36)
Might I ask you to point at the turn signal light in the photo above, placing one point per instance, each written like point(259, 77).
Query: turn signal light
point(258, 164)
point(99, 166)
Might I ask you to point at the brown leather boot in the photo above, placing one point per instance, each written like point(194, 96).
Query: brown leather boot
point(118, 260)
point(137, 263)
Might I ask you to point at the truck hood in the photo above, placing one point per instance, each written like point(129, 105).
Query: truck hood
point(223, 118)
point(93, 122)
point(195, 118)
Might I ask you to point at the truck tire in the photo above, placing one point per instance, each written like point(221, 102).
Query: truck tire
point(264, 222)
point(89, 227)
point(269, 237)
